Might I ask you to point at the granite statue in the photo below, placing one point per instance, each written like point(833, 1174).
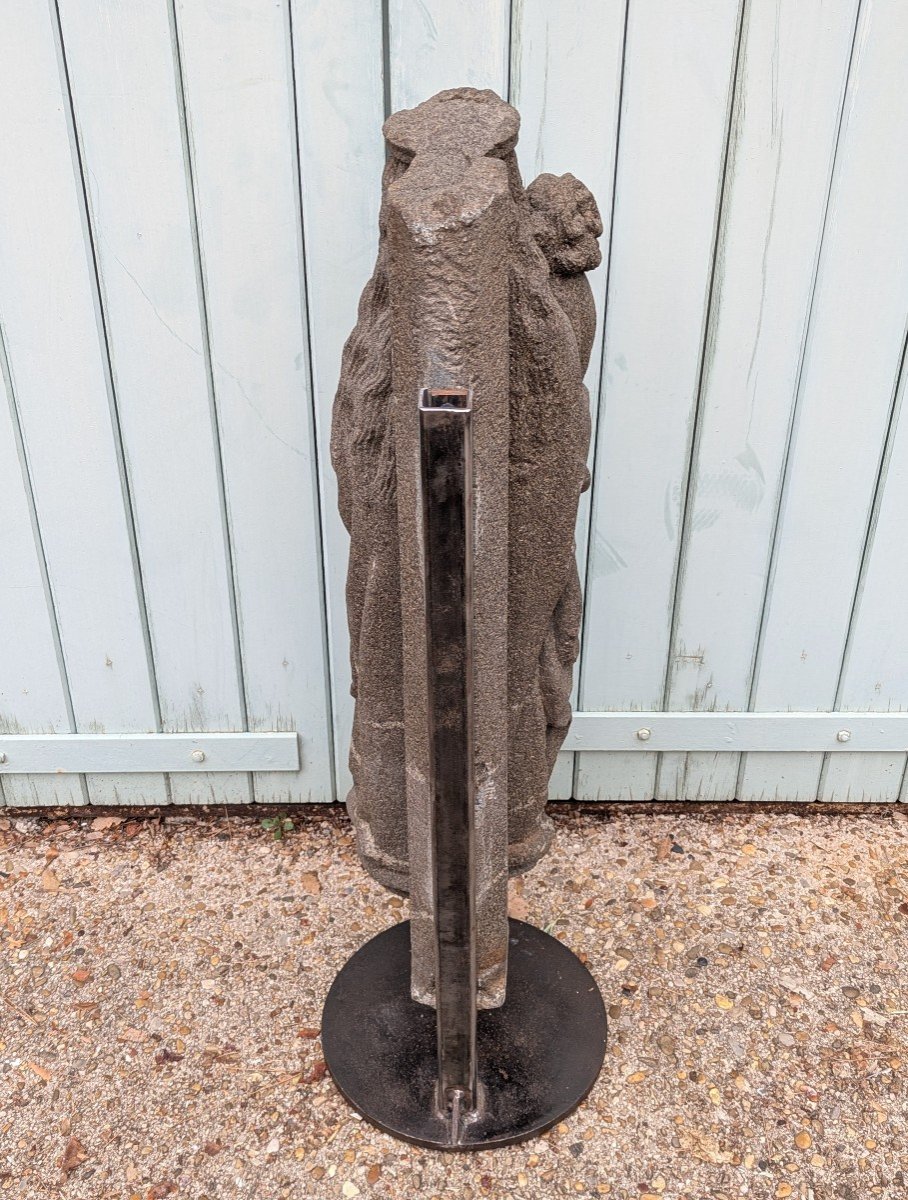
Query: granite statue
point(479, 282)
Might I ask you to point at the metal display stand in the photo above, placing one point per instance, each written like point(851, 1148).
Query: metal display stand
point(455, 1077)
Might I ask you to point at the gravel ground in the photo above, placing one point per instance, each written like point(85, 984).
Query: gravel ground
point(162, 977)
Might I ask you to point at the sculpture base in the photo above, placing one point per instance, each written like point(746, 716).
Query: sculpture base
point(539, 1054)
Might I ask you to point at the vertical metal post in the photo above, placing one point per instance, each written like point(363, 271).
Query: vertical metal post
point(447, 505)
point(456, 1078)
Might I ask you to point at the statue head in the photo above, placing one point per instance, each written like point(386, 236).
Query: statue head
point(566, 223)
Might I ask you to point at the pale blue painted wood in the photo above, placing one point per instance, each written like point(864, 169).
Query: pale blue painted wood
point(127, 101)
point(794, 66)
point(339, 93)
point(55, 340)
point(168, 512)
point(678, 81)
point(875, 669)
point(238, 78)
point(437, 44)
point(854, 351)
point(33, 695)
point(839, 734)
point(179, 754)
point(568, 91)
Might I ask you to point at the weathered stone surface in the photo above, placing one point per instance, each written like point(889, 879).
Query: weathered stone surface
point(478, 283)
point(450, 220)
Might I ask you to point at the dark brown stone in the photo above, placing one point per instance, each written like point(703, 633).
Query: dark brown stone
point(478, 283)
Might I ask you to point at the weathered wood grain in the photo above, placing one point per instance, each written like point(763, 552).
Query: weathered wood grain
point(437, 44)
point(339, 110)
point(188, 217)
point(238, 84)
point(564, 86)
point(56, 341)
point(845, 405)
point(33, 694)
point(679, 77)
point(792, 75)
point(127, 101)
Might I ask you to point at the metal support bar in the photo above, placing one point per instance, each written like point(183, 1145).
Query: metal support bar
point(456, 1078)
point(447, 489)
point(794, 732)
point(126, 753)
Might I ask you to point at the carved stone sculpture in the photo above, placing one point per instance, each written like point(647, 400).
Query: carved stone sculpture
point(478, 283)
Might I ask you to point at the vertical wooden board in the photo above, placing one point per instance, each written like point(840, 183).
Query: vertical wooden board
point(33, 695)
point(336, 52)
point(49, 310)
point(561, 783)
point(38, 790)
point(792, 74)
point(853, 353)
point(126, 101)
point(678, 78)
point(567, 87)
point(238, 80)
point(437, 44)
point(856, 778)
point(875, 675)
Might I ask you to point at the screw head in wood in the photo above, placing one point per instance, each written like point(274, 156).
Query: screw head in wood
point(198, 756)
point(844, 735)
point(644, 734)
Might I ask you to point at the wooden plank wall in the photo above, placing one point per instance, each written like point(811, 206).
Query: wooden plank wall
point(187, 217)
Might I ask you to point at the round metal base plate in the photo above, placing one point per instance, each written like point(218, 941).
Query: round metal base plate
point(539, 1054)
